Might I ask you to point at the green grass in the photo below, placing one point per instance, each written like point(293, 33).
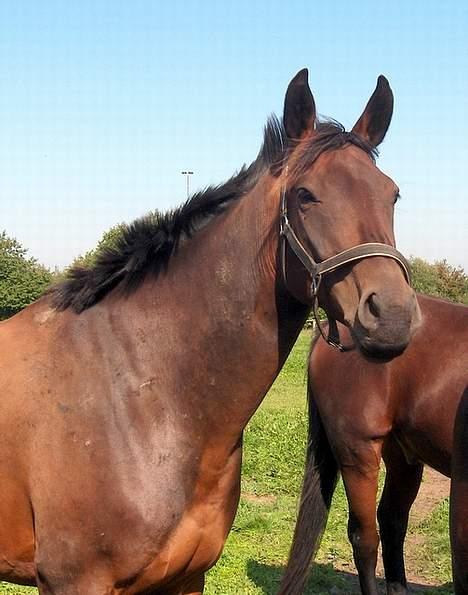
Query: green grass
point(435, 545)
point(7, 589)
point(258, 545)
point(289, 389)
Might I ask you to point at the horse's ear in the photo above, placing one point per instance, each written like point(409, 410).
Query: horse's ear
point(299, 107)
point(376, 117)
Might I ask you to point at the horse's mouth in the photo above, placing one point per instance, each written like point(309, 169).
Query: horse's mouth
point(380, 352)
point(375, 350)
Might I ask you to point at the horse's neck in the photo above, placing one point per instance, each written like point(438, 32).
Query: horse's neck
point(216, 323)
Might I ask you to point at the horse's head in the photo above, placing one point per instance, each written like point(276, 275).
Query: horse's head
point(335, 199)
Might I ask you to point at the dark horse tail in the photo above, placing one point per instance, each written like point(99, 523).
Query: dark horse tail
point(321, 472)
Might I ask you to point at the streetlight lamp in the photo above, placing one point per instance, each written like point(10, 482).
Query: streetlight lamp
point(187, 175)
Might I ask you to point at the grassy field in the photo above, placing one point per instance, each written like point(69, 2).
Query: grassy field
point(258, 545)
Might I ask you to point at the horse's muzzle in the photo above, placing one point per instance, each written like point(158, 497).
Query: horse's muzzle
point(385, 322)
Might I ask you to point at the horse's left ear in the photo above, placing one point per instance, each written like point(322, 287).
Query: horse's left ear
point(299, 107)
point(376, 117)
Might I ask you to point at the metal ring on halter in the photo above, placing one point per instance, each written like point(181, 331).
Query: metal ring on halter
point(333, 336)
point(315, 285)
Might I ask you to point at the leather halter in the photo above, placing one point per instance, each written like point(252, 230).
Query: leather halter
point(317, 269)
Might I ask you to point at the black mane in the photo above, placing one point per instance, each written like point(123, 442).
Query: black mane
point(146, 245)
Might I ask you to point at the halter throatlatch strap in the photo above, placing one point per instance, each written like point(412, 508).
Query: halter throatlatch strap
point(317, 269)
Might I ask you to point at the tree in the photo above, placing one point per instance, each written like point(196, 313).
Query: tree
point(440, 279)
point(22, 278)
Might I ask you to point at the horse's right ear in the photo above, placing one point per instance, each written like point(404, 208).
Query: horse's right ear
point(299, 107)
point(375, 119)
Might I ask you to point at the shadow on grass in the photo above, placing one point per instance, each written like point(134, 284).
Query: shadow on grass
point(325, 579)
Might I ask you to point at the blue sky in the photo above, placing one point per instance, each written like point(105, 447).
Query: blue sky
point(102, 104)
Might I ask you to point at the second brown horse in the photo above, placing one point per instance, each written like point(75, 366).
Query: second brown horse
point(404, 410)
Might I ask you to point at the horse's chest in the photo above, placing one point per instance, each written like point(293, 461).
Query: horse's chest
point(196, 542)
point(194, 547)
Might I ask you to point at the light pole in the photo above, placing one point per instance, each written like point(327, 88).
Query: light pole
point(187, 174)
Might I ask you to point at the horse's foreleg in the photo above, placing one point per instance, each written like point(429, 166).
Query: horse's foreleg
point(195, 586)
point(92, 586)
point(85, 585)
point(361, 480)
point(192, 586)
point(459, 535)
point(402, 483)
point(459, 499)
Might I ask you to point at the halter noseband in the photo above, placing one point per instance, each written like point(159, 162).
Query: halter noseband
point(317, 269)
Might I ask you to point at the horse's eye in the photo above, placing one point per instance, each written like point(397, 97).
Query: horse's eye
point(306, 195)
point(397, 198)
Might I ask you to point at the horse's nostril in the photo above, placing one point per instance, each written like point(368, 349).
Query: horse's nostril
point(373, 305)
point(369, 311)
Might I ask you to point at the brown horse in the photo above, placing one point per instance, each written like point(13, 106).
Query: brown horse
point(126, 389)
point(362, 409)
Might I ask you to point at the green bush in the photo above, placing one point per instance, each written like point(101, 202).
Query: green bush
point(22, 278)
point(440, 279)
